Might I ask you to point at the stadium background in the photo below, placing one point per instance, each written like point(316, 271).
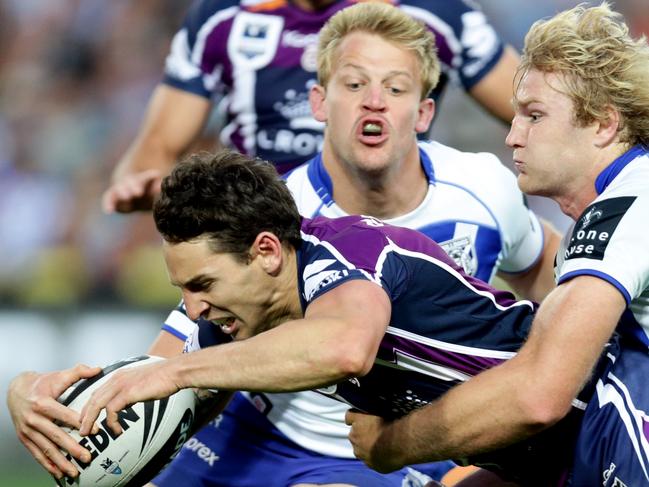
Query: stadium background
point(80, 286)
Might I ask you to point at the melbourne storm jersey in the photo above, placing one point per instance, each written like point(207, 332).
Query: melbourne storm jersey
point(261, 56)
point(445, 326)
point(610, 239)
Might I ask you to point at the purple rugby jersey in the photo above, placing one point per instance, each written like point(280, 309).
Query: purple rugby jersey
point(260, 56)
point(445, 326)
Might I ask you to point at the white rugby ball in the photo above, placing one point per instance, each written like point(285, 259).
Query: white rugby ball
point(153, 433)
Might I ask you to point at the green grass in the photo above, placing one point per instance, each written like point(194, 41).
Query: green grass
point(25, 477)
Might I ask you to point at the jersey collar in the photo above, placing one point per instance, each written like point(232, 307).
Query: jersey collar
point(321, 181)
point(608, 175)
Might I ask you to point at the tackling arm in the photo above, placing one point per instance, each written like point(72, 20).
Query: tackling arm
point(510, 402)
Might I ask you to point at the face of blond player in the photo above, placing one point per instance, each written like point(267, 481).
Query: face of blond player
point(553, 155)
point(372, 104)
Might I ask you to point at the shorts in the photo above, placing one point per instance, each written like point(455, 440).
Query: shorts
point(241, 448)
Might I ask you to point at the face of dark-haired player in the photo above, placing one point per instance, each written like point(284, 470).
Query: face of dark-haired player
point(242, 298)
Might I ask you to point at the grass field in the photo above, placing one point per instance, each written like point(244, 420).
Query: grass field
point(27, 477)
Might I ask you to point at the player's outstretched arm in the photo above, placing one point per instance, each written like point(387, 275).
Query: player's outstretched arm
point(35, 411)
point(337, 339)
point(173, 121)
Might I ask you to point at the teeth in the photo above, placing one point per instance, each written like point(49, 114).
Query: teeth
point(225, 324)
point(371, 128)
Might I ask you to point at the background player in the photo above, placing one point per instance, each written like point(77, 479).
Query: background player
point(261, 59)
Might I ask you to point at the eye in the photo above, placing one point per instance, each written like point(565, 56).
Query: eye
point(353, 85)
point(393, 90)
point(535, 117)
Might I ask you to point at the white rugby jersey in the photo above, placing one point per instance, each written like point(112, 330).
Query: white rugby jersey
point(610, 239)
point(476, 212)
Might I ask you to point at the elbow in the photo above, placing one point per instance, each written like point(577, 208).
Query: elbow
point(543, 407)
point(352, 361)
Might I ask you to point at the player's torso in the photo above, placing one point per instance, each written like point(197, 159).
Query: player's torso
point(444, 326)
point(462, 221)
point(610, 239)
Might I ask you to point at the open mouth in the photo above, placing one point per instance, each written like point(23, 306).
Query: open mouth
point(372, 129)
point(225, 324)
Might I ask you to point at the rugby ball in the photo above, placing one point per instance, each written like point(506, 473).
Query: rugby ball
point(153, 433)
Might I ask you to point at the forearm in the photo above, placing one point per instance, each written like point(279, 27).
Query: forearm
point(173, 121)
point(485, 415)
point(294, 356)
point(524, 395)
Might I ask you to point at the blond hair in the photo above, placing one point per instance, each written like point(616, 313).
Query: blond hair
point(388, 22)
point(601, 66)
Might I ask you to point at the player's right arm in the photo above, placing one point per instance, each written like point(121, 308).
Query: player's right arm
point(173, 121)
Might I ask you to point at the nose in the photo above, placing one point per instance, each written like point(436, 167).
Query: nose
point(194, 306)
point(374, 99)
point(515, 137)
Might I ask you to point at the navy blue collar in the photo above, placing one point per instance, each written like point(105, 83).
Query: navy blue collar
point(614, 168)
point(321, 180)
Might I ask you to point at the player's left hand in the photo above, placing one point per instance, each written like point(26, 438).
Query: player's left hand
point(371, 438)
point(126, 387)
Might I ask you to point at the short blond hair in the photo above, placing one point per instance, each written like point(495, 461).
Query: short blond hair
point(388, 22)
point(601, 65)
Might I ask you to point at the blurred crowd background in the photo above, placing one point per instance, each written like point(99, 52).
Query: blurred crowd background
point(75, 76)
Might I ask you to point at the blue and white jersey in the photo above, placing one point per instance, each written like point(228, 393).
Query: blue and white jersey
point(261, 55)
point(610, 239)
point(445, 326)
point(473, 209)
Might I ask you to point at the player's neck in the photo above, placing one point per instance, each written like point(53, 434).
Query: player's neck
point(388, 193)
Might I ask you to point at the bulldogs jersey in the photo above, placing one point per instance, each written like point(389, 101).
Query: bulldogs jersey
point(476, 212)
point(610, 240)
point(261, 55)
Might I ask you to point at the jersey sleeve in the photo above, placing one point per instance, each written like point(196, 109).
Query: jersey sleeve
point(196, 57)
point(610, 241)
point(468, 45)
point(520, 229)
point(355, 255)
point(178, 323)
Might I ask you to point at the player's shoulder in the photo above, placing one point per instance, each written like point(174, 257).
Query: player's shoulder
point(308, 191)
point(449, 12)
point(441, 8)
point(479, 175)
point(469, 168)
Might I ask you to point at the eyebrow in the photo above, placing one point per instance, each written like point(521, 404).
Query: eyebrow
point(197, 282)
point(390, 74)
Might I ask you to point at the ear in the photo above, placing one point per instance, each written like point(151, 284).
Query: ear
point(425, 115)
point(267, 249)
point(606, 131)
point(317, 95)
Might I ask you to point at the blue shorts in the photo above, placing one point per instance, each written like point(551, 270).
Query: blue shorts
point(613, 443)
point(242, 448)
